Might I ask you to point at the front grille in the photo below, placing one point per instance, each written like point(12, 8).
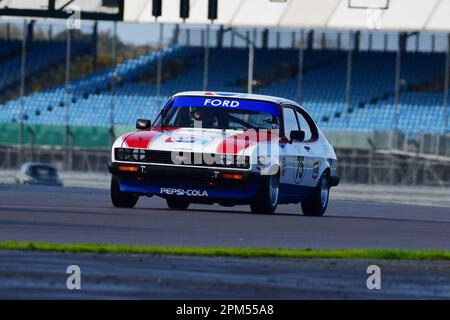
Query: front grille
point(158, 156)
point(182, 158)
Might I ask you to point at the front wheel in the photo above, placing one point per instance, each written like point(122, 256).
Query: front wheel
point(317, 202)
point(266, 200)
point(122, 199)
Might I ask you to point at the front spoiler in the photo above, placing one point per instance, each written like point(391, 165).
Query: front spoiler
point(200, 185)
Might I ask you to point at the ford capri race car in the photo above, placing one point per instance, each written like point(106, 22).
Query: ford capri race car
point(229, 149)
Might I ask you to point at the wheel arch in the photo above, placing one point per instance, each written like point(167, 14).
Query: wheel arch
point(324, 167)
point(274, 170)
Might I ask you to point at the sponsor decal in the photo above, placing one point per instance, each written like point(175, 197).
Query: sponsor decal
point(299, 171)
point(221, 103)
point(186, 139)
point(190, 139)
point(234, 103)
point(184, 192)
point(315, 172)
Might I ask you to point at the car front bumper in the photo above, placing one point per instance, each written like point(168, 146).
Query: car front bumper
point(203, 185)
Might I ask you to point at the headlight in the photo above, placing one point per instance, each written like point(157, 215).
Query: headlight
point(139, 154)
point(241, 161)
point(229, 159)
point(220, 159)
point(123, 154)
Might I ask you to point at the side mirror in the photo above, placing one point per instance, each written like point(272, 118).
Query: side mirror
point(297, 135)
point(143, 124)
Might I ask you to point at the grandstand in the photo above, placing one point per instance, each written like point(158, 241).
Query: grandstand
point(372, 99)
point(42, 55)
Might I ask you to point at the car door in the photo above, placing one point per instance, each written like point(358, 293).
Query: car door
point(294, 156)
point(308, 148)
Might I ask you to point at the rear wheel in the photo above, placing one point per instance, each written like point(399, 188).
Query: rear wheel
point(317, 202)
point(122, 199)
point(266, 200)
point(177, 203)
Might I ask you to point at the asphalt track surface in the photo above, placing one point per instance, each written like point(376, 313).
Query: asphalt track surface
point(64, 215)
point(42, 275)
point(85, 215)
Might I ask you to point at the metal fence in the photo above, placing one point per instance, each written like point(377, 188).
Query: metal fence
point(355, 165)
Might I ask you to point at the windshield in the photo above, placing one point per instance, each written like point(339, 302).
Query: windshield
point(221, 113)
point(42, 172)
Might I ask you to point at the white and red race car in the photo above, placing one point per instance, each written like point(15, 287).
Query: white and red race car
point(226, 148)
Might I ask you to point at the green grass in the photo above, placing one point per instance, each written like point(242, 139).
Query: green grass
point(230, 252)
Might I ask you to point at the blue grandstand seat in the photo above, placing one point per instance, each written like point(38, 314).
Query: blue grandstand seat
point(372, 103)
point(40, 56)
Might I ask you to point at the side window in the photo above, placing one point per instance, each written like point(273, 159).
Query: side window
point(304, 126)
point(290, 121)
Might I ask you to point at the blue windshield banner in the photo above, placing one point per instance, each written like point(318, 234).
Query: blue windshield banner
point(229, 103)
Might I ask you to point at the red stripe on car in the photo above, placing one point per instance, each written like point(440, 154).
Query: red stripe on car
point(140, 139)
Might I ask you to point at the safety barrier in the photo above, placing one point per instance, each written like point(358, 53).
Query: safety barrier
point(47, 135)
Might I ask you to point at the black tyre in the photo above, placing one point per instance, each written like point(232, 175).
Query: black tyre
point(122, 199)
point(317, 202)
point(177, 203)
point(266, 200)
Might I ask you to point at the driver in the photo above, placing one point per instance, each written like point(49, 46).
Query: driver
point(201, 118)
